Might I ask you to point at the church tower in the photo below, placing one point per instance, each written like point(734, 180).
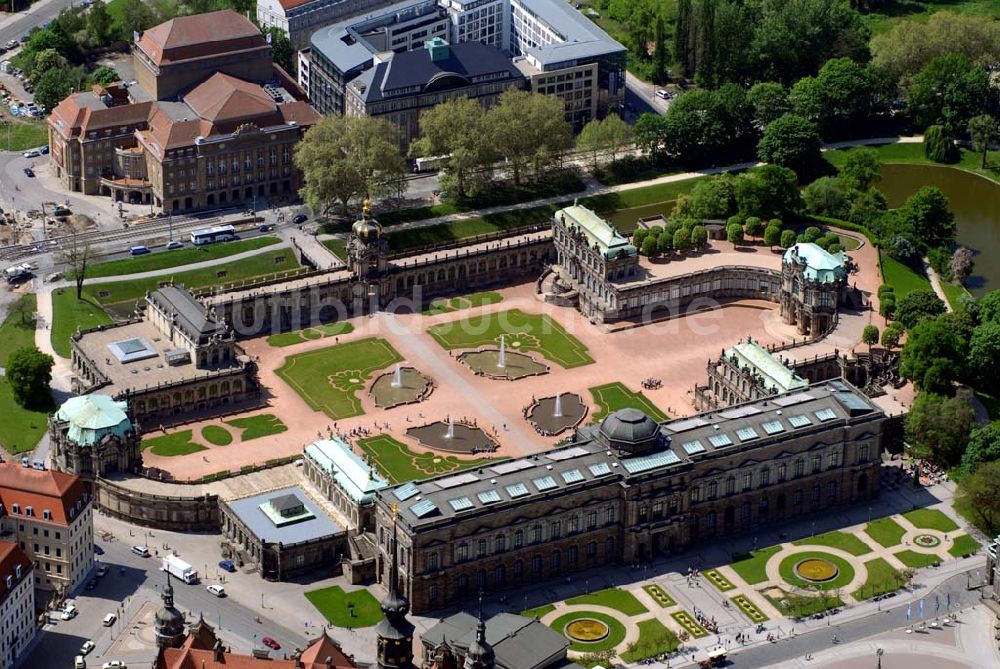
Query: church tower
point(394, 631)
point(480, 654)
point(169, 622)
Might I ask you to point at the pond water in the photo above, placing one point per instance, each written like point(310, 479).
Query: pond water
point(975, 200)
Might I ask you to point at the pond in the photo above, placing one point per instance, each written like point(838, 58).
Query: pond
point(975, 200)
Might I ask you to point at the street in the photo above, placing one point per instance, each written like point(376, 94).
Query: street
point(12, 26)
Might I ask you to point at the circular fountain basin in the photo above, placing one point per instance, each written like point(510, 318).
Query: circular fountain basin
point(816, 570)
point(466, 439)
point(414, 387)
point(587, 630)
point(516, 365)
point(542, 413)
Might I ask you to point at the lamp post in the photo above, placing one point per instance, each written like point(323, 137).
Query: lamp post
point(878, 658)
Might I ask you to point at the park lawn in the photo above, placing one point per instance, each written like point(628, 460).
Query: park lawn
point(931, 519)
point(753, 568)
point(24, 134)
point(616, 631)
point(882, 578)
point(535, 332)
point(886, 531)
point(169, 445)
point(337, 246)
point(964, 545)
point(955, 295)
point(216, 435)
point(921, 10)
point(845, 571)
point(309, 334)
point(397, 463)
point(186, 256)
point(613, 598)
point(453, 231)
point(336, 605)
point(916, 560)
point(836, 539)
point(539, 611)
point(16, 332)
point(804, 606)
point(255, 427)
point(20, 428)
point(270, 262)
point(654, 639)
point(70, 314)
point(444, 305)
point(614, 396)
point(328, 379)
point(639, 197)
point(902, 278)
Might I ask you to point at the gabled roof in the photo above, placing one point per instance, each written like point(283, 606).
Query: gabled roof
point(222, 98)
point(200, 35)
point(191, 315)
point(349, 471)
point(598, 231)
point(774, 375)
point(42, 490)
point(11, 556)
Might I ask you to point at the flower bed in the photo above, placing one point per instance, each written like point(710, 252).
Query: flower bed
point(749, 608)
point(719, 581)
point(687, 621)
point(659, 595)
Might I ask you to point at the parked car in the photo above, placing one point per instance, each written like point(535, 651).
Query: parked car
point(271, 643)
point(141, 551)
point(102, 571)
point(44, 150)
point(69, 612)
point(87, 646)
point(227, 565)
point(97, 549)
point(300, 219)
point(28, 172)
point(31, 153)
point(662, 93)
point(79, 662)
point(266, 227)
point(109, 620)
point(217, 590)
point(174, 245)
point(114, 664)
point(139, 251)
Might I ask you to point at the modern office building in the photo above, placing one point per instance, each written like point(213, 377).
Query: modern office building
point(629, 489)
point(49, 515)
point(210, 121)
point(17, 603)
point(300, 18)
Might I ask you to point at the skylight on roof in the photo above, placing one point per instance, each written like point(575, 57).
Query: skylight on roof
point(720, 440)
point(461, 503)
point(489, 497)
point(773, 427)
point(825, 414)
point(457, 480)
point(655, 461)
point(799, 421)
point(572, 476)
point(517, 490)
point(423, 508)
point(405, 492)
point(692, 447)
point(747, 434)
point(545, 483)
point(512, 466)
point(566, 454)
point(600, 469)
point(789, 400)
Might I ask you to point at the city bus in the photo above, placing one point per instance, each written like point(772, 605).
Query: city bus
point(221, 233)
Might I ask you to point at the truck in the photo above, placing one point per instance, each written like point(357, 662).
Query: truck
point(180, 569)
point(18, 273)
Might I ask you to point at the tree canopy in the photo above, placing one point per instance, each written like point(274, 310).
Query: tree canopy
point(917, 305)
point(791, 141)
point(938, 427)
point(948, 91)
point(932, 356)
point(29, 372)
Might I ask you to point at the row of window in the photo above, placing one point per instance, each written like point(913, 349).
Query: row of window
point(745, 482)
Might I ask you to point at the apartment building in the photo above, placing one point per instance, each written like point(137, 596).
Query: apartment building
point(17, 603)
point(49, 515)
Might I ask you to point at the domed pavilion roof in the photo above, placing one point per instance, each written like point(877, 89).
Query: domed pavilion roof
point(92, 417)
point(629, 428)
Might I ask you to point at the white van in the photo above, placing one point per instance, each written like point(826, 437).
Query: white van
point(79, 662)
point(109, 620)
point(69, 612)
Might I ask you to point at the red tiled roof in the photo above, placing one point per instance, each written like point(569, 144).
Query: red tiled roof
point(193, 655)
point(10, 557)
point(200, 35)
point(222, 98)
point(41, 490)
point(70, 118)
point(300, 112)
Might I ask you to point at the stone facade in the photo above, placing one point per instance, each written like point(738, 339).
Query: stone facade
point(813, 285)
point(663, 490)
point(92, 436)
point(197, 513)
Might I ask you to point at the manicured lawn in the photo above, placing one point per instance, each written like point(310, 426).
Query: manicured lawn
point(20, 429)
point(616, 633)
point(523, 331)
point(886, 531)
point(914, 153)
point(836, 539)
point(931, 519)
point(261, 425)
point(715, 577)
point(902, 277)
point(803, 606)
point(539, 611)
point(753, 568)
point(308, 334)
point(955, 294)
point(346, 609)
point(844, 576)
point(337, 246)
point(654, 639)
point(24, 135)
point(70, 314)
point(398, 463)
point(614, 396)
point(444, 305)
point(659, 595)
point(690, 623)
point(917, 560)
point(185, 256)
point(18, 329)
point(749, 608)
point(328, 379)
point(964, 545)
point(176, 443)
point(452, 231)
point(882, 578)
point(613, 598)
point(214, 434)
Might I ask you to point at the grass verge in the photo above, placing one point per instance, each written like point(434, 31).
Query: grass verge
point(18, 329)
point(886, 531)
point(70, 314)
point(178, 258)
point(346, 609)
point(613, 598)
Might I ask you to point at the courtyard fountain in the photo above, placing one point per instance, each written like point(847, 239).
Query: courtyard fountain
point(553, 415)
point(403, 385)
point(397, 377)
point(450, 432)
point(502, 358)
point(453, 437)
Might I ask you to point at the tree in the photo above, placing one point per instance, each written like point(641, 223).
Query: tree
point(281, 49)
point(787, 239)
point(983, 130)
point(105, 75)
point(29, 372)
point(769, 100)
point(984, 356)
point(869, 336)
point(791, 141)
point(699, 237)
point(45, 60)
point(939, 145)
point(649, 247)
point(78, 254)
point(988, 307)
point(933, 356)
point(927, 216)
point(983, 446)
point(592, 140)
point(841, 97)
point(136, 16)
point(682, 240)
point(768, 191)
point(938, 427)
point(714, 197)
point(862, 169)
point(53, 87)
point(891, 335)
point(734, 233)
point(618, 133)
point(948, 91)
point(960, 265)
point(754, 226)
point(659, 50)
point(639, 236)
point(99, 23)
point(918, 305)
point(979, 489)
point(457, 128)
point(651, 134)
point(772, 234)
point(664, 244)
point(528, 129)
point(345, 157)
point(825, 196)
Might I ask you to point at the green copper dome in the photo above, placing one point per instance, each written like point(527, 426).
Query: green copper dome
point(93, 417)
